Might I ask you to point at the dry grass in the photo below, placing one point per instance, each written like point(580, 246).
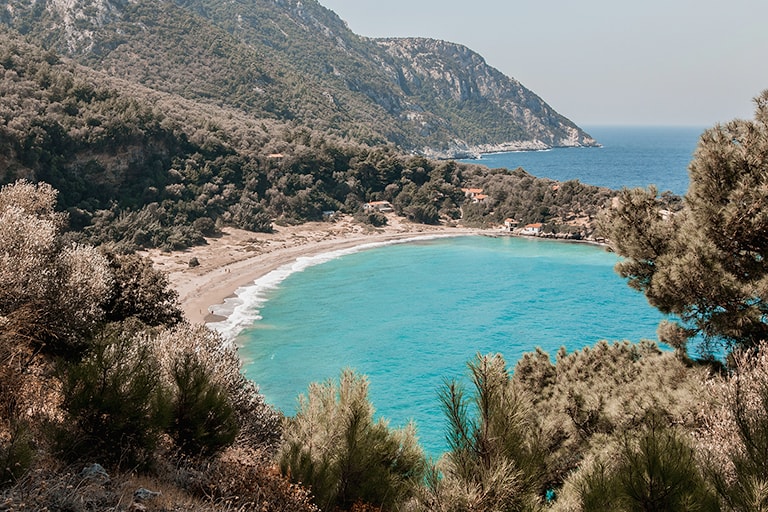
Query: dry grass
point(238, 480)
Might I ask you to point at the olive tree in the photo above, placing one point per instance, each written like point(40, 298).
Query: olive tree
point(53, 291)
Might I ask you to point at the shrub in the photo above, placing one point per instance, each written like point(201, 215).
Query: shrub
point(375, 219)
point(735, 438)
point(55, 286)
point(654, 469)
point(423, 214)
point(334, 446)
point(116, 403)
point(141, 292)
point(248, 480)
point(203, 419)
point(16, 453)
point(605, 390)
point(495, 461)
point(259, 424)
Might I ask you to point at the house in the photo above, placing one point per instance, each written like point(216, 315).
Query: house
point(509, 225)
point(474, 194)
point(378, 206)
point(531, 229)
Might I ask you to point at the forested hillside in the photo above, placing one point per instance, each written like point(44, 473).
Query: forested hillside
point(297, 61)
point(111, 401)
point(141, 168)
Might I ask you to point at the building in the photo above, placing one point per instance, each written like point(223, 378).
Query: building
point(509, 225)
point(475, 195)
point(531, 229)
point(378, 206)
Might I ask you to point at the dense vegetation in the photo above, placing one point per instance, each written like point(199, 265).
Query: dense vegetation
point(131, 145)
point(141, 169)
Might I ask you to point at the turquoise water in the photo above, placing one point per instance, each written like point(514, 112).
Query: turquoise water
point(411, 315)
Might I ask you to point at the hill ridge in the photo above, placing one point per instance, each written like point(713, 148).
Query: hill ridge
point(298, 61)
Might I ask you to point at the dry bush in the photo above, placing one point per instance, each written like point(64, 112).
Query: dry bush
point(50, 486)
point(734, 439)
point(246, 479)
point(652, 467)
point(603, 391)
point(50, 284)
point(335, 447)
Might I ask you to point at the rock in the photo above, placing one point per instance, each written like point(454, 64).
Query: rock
point(144, 494)
point(95, 472)
point(194, 262)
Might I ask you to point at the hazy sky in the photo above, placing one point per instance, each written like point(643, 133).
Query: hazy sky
point(641, 62)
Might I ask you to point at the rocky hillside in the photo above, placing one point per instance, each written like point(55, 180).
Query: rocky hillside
point(296, 61)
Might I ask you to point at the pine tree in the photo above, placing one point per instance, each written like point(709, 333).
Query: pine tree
point(707, 263)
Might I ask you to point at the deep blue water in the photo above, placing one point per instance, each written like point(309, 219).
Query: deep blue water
point(630, 157)
point(411, 315)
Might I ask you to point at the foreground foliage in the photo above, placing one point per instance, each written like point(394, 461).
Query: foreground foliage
point(335, 447)
point(496, 459)
point(97, 364)
point(93, 349)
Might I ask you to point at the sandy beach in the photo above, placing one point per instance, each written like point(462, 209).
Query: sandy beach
point(237, 258)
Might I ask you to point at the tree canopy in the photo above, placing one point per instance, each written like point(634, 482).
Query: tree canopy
point(705, 264)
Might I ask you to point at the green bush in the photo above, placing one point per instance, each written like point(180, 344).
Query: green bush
point(375, 219)
point(496, 461)
point(116, 403)
point(204, 421)
point(140, 291)
point(334, 446)
point(258, 423)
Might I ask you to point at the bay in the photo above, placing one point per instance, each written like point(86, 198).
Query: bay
point(410, 316)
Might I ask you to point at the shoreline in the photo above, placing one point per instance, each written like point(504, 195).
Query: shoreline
point(237, 258)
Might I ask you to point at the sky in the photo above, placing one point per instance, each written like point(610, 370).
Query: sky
point(601, 62)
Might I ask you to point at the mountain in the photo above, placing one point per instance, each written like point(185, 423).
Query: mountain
point(296, 61)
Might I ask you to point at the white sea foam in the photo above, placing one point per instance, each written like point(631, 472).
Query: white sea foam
point(243, 310)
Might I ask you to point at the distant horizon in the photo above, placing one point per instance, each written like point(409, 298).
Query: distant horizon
point(657, 63)
point(625, 125)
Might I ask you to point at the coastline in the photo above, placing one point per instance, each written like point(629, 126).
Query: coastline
point(237, 258)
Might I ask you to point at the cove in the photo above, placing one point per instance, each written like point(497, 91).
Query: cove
point(411, 315)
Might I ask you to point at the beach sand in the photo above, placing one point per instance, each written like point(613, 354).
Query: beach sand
point(237, 257)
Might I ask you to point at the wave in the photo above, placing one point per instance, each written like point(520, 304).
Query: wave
point(243, 310)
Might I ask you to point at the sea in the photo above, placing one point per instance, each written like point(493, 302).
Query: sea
point(411, 315)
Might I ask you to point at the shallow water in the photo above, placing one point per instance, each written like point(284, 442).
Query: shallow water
point(411, 315)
